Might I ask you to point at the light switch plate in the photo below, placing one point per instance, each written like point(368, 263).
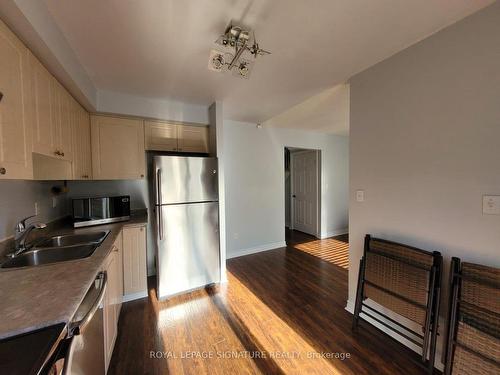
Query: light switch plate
point(491, 204)
point(360, 195)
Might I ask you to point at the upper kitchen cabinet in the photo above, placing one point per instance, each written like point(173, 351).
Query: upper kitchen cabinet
point(82, 159)
point(15, 132)
point(160, 136)
point(117, 148)
point(64, 126)
point(192, 138)
point(164, 136)
point(43, 126)
point(52, 133)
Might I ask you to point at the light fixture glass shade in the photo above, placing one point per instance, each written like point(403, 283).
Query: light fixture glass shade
point(218, 60)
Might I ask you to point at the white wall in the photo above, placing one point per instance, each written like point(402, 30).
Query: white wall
point(114, 102)
point(17, 200)
point(424, 145)
point(254, 184)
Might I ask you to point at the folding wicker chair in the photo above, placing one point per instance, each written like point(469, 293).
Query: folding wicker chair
point(473, 340)
point(407, 281)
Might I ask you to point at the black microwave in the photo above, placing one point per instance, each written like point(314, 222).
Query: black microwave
point(100, 210)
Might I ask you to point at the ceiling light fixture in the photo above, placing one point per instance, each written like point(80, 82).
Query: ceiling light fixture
point(237, 46)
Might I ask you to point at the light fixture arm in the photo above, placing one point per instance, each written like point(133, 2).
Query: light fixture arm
point(237, 55)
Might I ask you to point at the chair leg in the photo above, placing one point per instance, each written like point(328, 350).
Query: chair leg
point(359, 294)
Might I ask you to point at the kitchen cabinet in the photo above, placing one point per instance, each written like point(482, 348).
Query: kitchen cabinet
point(15, 107)
point(117, 148)
point(112, 299)
point(43, 126)
point(165, 136)
point(160, 136)
point(109, 313)
point(62, 114)
point(119, 269)
point(52, 131)
point(134, 262)
point(82, 159)
point(192, 138)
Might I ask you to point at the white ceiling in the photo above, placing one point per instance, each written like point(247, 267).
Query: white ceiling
point(159, 48)
point(326, 112)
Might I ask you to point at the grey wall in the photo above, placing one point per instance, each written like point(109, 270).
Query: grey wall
point(424, 145)
point(17, 200)
point(255, 184)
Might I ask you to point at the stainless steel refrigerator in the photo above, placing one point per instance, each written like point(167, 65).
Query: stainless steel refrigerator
point(187, 223)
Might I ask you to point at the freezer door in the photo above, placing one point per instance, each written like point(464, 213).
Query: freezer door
point(181, 179)
point(188, 247)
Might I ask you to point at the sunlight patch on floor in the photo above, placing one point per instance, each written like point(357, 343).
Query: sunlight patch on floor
point(290, 352)
point(329, 249)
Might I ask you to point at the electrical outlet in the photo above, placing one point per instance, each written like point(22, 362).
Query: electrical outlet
point(236, 236)
point(36, 208)
point(54, 202)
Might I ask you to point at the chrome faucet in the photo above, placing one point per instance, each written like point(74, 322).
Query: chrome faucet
point(21, 234)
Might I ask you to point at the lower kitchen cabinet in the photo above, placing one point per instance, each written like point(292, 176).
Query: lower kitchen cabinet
point(113, 297)
point(134, 263)
point(127, 279)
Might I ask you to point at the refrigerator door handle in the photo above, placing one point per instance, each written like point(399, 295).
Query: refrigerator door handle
point(158, 186)
point(160, 222)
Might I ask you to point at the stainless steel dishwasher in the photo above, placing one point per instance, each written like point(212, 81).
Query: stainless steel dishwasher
point(85, 342)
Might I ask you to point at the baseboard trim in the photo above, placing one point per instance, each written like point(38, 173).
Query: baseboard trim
point(134, 296)
point(256, 249)
point(336, 232)
point(437, 362)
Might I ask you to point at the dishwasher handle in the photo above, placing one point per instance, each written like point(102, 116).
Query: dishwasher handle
point(78, 327)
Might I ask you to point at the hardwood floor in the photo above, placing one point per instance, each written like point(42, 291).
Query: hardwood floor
point(281, 312)
point(333, 250)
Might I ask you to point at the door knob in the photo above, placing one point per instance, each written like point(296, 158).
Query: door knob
point(3, 170)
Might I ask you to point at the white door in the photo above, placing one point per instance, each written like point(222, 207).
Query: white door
point(305, 192)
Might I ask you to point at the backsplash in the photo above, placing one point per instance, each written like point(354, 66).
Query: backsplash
point(17, 200)
point(137, 189)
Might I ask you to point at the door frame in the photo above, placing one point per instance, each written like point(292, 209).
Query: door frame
point(318, 188)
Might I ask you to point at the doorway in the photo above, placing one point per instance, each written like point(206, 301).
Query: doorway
point(302, 190)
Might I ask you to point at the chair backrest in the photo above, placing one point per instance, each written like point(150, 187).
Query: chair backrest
point(476, 331)
point(398, 277)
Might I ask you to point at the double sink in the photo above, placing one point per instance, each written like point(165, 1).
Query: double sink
point(58, 249)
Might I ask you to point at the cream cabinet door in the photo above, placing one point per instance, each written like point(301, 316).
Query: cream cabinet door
point(117, 148)
point(118, 245)
point(44, 131)
point(15, 132)
point(192, 138)
point(160, 136)
point(134, 261)
point(109, 309)
point(82, 159)
point(64, 131)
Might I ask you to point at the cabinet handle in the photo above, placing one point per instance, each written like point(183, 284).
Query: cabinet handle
point(56, 152)
point(3, 170)
point(1, 96)
point(62, 154)
point(142, 175)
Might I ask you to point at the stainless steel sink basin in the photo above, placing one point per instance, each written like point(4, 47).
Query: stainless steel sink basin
point(39, 256)
point(73, 239)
